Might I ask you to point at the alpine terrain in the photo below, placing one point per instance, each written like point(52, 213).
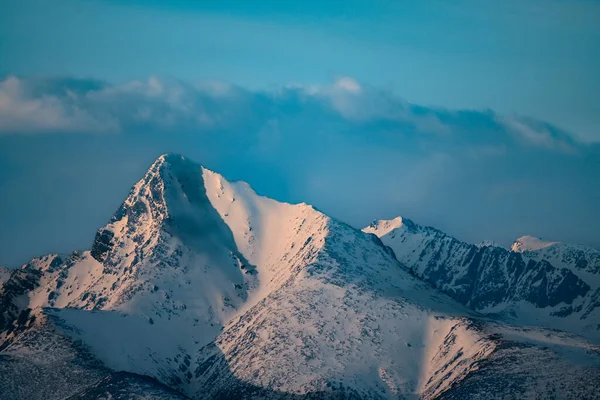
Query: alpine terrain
point(200, 288)
point(535, 282)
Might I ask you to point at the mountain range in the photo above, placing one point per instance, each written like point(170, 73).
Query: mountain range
point(534, 283)
point(200, 288)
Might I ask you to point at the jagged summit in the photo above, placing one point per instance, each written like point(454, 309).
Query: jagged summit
point(573, 257)
point(382, 227)
point(170, 198)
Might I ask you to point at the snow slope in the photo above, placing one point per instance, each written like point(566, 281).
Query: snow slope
point(535, 283)
point(218, 292)
point(42, 363)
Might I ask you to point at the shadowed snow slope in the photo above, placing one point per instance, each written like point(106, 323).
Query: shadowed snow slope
point(537, 283)
point(204, 286)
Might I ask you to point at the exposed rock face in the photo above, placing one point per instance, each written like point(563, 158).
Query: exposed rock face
point(102, 244)
point(524, 284)
point(13, 313)
point(202, 286)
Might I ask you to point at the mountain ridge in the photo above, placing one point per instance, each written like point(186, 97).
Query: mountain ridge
point(533, 278)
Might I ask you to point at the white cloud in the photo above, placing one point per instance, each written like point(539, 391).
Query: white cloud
point(348, 84)
point(169, 105)
point(536, 133)
point(20, 112)
point(37, 106)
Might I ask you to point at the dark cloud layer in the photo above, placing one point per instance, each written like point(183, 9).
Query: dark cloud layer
point(70, 149)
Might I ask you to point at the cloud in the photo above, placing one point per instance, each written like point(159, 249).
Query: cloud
point(537, 133)
point(348, 84)
point(70, 105)
point(24, 111)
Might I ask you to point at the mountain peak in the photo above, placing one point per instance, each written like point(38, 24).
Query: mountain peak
point(170, 157)
point(529, 243)
point(171, 192)
point(382, 227)
point(168, 161)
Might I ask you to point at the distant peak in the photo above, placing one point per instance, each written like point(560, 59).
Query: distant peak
point(382, 227)
point(529, 243)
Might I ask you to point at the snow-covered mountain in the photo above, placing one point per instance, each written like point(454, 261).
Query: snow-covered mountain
point(537, 283)
point(577, 258)
point(198, 285)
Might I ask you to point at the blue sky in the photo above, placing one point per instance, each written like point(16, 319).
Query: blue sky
point(478, 117)
point(533, 57)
